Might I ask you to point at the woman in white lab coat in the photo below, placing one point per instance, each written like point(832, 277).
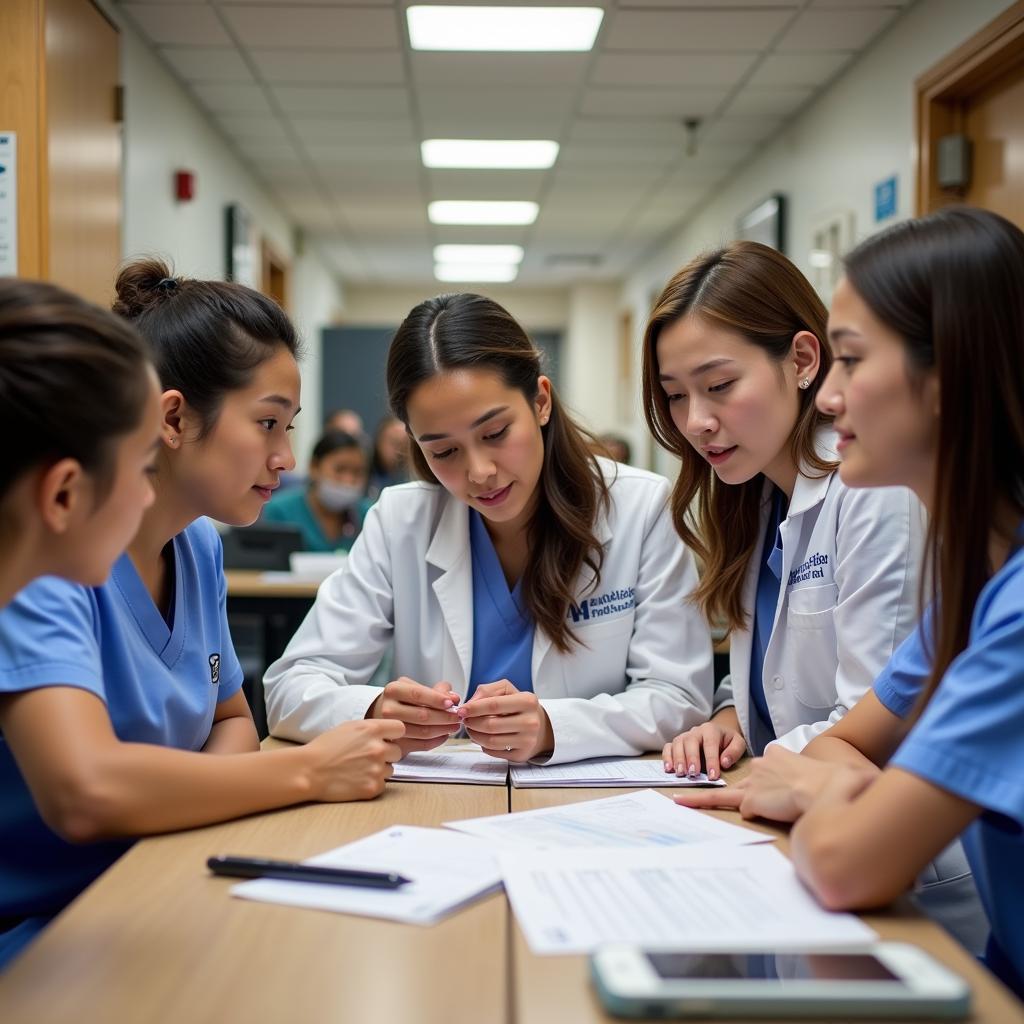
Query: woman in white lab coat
point(816, 583)
point(535, 594)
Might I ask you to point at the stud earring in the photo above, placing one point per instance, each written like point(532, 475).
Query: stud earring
point(804, 384)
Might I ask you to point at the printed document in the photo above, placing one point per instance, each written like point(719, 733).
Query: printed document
point(707, 898)
point(447, 872)
point(602, 773)
point(466, 764)
point(643, 818)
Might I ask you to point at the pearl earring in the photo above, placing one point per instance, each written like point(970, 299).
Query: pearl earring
point(805, 384)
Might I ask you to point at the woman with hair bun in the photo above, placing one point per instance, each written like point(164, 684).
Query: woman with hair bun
point(534, 593)
point(117, 695)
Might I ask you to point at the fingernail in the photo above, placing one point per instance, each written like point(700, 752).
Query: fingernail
point(448, 704)
point(726, 761)
point(712, 775)
point(668, 766)
point(693, 769)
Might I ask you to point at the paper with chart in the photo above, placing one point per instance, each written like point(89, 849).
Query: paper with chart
point(643, 818)
point(602, 773)
point(469, 765)
point(706, 898)
point(448, 870)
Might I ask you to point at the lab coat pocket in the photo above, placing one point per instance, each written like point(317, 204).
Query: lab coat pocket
point(599, 664)
point(812, 645)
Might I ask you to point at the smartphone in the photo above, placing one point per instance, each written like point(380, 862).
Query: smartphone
point(891, 979)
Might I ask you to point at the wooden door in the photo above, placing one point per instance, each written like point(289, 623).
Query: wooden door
point(84, 140)
point(977, 91)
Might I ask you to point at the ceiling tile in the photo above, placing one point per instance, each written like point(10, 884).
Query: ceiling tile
point(319, 28)
point(838, 29)
point(322, 130)
point(361, 101)
point(771, 101)
point(675, 69)
point(254, 127)
point(381, 67)
point(186, 24)
point(741, 129)
point(695, 30)
point(494, 69)
point(798, 69)
point(207, 64)
point(486, 184)
point(675, 104)
point(492, 103)
point(538, 125)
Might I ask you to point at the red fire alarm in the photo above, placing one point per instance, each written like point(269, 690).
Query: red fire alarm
point(184, 186)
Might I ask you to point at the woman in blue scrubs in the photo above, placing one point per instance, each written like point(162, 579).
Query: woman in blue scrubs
point(926, 392)
point(116, 694)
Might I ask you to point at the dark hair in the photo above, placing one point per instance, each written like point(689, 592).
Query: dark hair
point(466, 331)
point(377, 466)
point(951, 285)
point(207, 336)
point(335, 441)
point(755, 291)
point(73, 380)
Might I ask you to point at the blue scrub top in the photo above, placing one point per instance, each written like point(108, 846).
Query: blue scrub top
point(161, 685)
point(970, 741)
point(502, 629)
point(769, 581)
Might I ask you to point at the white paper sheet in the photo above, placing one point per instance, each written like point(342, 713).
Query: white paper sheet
point(643, 818)
point(466, 765)
point(601, 773)
point(448, 871)
point(709, 898)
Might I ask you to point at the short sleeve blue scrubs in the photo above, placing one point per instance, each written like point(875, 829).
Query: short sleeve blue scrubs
point(160, 680)
point(970, 741)
point(502, 629)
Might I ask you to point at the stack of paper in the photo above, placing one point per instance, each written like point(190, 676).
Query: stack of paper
point(633, 819)
point(602, 773)
point(459, 765)
point(702, 899)
point(447, 871)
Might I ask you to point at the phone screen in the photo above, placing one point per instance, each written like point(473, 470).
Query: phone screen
point(847, 967)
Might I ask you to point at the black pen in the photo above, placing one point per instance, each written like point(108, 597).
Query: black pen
point(291, 871)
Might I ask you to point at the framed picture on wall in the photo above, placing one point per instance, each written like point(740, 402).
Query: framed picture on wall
point(240, 249)
point(765, 223)
point(832, 236)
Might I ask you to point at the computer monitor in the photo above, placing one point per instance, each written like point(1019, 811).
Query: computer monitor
point(263, 546)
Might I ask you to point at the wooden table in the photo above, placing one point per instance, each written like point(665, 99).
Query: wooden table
point(157, 939)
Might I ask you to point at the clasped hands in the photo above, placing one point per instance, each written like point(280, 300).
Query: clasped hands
point(508, 723)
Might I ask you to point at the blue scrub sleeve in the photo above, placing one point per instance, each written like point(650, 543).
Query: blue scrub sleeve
point(231, 675)
point(48, 638)
point(902, 679)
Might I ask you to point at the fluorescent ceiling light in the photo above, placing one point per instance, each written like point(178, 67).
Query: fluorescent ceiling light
point(504, 153)
point(475, 271)
point(470, 254)
point(469, 211)
point(503, 28)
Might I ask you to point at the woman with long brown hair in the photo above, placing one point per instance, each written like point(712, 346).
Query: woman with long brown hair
point(535, 593)
point(815, 582)
point(928, 325)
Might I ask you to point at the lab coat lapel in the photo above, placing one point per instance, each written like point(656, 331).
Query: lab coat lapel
point(541, 641)
point(449, 551)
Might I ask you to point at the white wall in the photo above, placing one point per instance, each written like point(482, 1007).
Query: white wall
point(590, 377)
point(857, 133)
point(164, 131)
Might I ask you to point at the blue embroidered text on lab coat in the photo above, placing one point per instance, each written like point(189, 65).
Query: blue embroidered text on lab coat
point(610, 603)
point(809, 570)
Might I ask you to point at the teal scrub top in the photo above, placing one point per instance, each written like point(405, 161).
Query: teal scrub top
point(292, 506)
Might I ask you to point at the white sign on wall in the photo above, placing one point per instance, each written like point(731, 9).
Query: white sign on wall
point(8, 204)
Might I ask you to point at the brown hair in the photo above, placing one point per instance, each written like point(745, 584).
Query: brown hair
point(468, 331)
point(755, 291)
point(207, 336)
point(73, 381)
point(949, 285)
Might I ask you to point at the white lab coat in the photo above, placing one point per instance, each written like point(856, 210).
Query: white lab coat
point(851, 559)
point(642, 674)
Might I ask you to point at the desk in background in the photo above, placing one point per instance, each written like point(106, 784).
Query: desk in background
point(264, 611)
point(157, 939)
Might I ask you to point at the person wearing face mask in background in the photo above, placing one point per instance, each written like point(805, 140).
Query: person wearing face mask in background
point(331, 509)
